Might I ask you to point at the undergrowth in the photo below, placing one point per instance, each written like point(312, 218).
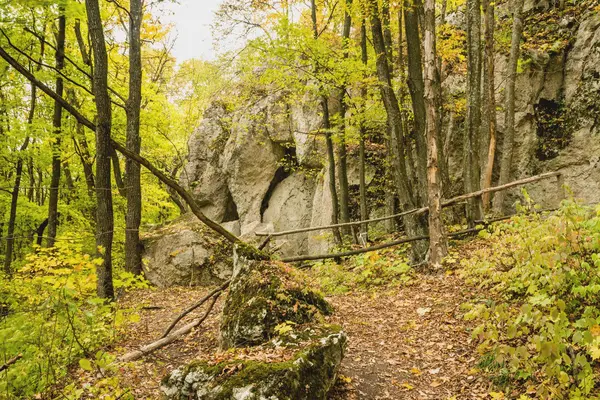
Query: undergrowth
point(50, 315)
point(539, 334)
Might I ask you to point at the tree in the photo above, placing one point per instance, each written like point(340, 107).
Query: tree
point(471, 167)
point(509, 119)
point(133, 246)
point(104, 211)
point(57, 124)
point(437, 240)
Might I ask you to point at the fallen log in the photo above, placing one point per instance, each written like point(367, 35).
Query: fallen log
point(194, 306)
point(445, 203)
point(145, 350)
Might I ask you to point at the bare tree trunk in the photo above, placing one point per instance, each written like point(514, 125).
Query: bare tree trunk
point(471, 167)
point(509, 124)
point(342, 151)
point(414, 226)
point(438, 247)
point(104, 212)
point(133, 218)
point(14, 198)
point(57, 124)
point(490, 96)
point(328, 141)
point(416, 89)
point(364, 212)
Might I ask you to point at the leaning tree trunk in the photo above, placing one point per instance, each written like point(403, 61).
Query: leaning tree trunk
point(133, 246)
point(471, 167)
point(509, 125)
point(490, 96)
point(413, 225)
point(104, 211)
point(57, 124)
point(342, 151)
point(328, 141)
point(437, 240)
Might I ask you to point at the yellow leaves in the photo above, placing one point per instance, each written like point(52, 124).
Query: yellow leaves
point(496, 395)
point(415, 371)
point(594, 352)
point(595, 330)
point(407, 386)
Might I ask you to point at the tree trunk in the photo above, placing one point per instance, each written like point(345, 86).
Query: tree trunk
point(471, 166)
point(14, 198)
point(57, 124)
point(490, 96)
point(328, 140)
point(413, 226)
point(104, 212)
point(509, 124)
point(437, 240)
point(364, 212)
point(342, 151)
point(416, 90)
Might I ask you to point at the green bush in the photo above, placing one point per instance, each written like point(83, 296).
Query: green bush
point(540, 332)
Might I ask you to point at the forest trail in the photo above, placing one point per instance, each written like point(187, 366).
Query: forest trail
point(405, 342)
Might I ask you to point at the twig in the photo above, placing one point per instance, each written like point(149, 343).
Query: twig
point(193, 307)
point(11, 362)
point(136, 354)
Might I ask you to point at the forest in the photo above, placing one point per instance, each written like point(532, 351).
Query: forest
point(348, 199)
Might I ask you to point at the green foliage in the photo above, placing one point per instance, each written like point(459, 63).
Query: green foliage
point(541, 331)
point(50, 315)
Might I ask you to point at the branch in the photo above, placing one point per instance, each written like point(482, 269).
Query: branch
point(136, 354)
point(193, 307)
point(11, 362)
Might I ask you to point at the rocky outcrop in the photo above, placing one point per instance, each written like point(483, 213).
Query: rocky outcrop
point(308, 375)
point(185, 253)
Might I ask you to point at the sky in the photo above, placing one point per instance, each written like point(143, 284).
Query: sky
point(192, 19)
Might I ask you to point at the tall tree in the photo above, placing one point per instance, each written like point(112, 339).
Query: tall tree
point(328, 140)
point(104, 210)
point(490, 99)
point(437, 240)
point(57, 124)
point(133, 247)
point(364, 212)
point(342, 151)
point(414, 226)
point(471, 166)
point(509, 119)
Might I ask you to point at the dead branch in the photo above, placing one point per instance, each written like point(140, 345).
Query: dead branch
point(11, 362)
point(193, 307)
point(421, 210)
point(137, 354)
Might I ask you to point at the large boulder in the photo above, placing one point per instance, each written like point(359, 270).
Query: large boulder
point(308, 375)
point(186, 253)
point(262, 295)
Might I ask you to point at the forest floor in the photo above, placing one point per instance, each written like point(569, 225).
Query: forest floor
point(405, 342)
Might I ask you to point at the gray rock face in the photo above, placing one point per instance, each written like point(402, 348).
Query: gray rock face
point(309, 375)
point(184, 253)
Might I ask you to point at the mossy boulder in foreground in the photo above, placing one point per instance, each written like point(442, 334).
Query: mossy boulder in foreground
point(309, 374)
point(262, 295)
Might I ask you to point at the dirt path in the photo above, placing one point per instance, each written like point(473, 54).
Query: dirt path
point(407, 342)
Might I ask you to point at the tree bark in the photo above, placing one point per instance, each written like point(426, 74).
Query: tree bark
point(471, 166)
point(328, 140)
point(104, 211)
point(406, 195)
point(509, 124)
point(438, 247)
point(364, 212)
point(342, 151)
point(490, 96)
point(133, 218)
point(57, 124)
point(416, 90)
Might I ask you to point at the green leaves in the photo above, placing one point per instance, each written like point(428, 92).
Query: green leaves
point(85, 364)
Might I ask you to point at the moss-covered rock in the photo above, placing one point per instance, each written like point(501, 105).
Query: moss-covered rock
point(262, 295)
point(309, 374)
